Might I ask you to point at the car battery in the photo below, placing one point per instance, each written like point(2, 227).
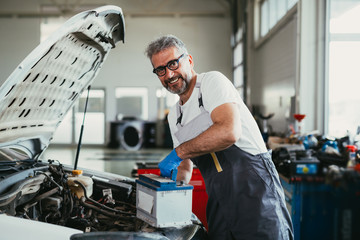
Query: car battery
point(304, 166)
point(199, 195)
point(160, 202)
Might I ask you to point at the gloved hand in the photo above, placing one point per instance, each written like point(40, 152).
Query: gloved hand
point(170, 162)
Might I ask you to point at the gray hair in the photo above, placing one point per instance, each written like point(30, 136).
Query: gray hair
point(163, 43)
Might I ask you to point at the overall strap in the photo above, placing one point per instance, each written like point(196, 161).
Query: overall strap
point(179, 114)
point(201, 105)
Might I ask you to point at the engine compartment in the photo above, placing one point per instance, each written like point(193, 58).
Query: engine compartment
point(40, 191)
point(45, 196)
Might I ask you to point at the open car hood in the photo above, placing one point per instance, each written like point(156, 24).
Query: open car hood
point(43, 88)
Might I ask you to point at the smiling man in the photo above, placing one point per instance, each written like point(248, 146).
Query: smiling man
point(212, 127)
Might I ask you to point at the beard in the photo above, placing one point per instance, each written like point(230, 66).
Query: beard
point(183, 82)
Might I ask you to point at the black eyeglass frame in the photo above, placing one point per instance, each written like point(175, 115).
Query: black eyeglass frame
point(168, 66)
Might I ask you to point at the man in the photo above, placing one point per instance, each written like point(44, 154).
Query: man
point(212, 127)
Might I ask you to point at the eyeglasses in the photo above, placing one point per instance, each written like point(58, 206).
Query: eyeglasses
point(172, 65)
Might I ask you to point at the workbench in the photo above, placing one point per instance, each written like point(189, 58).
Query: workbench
point(323, 211)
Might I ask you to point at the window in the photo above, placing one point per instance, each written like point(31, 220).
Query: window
point(165, 100)
point(264, 14)
point(238, 43)
point(132, 102)
point(94, 123)
point(238, 64)
point(281, 9)
point(64, 132)
point(268, 13)
point(68, 131)
point(343, 69)
point(272, 13)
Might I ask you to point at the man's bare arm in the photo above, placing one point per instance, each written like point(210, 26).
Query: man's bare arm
point(224, 132)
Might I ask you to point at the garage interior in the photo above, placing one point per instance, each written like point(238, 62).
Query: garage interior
point(294, 63)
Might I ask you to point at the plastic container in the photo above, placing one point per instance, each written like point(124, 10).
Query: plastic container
point(75, 188)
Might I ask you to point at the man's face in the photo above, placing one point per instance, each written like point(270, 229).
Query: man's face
point(175, 81)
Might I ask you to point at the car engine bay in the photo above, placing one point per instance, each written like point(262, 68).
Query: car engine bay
point(41, 191)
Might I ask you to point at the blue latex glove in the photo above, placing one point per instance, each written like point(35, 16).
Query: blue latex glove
point(170, 163)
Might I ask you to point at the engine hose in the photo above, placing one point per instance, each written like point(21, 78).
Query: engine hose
point(10, 195)
point(68, 205)
point(99, 204)
point(127, 204)
point(52, 180)
point(102, 211)
point(40, 197)
point(71, 202)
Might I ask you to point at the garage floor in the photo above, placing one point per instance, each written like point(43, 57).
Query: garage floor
point(104, 159)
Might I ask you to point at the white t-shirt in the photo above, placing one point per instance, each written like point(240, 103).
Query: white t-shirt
point(216, 89)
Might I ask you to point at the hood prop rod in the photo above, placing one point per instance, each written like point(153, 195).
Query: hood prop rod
point(81, 131)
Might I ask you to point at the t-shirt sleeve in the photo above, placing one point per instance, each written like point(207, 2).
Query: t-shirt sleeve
point(216, 89)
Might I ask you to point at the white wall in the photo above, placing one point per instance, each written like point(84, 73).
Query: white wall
point(19, 36)
point(207, 39)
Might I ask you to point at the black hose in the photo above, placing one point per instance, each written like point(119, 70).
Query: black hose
point(71, 202)
point(68, 205)
point(40, 197)
point(99, 204)
point(102, 211)
point(52, 180)
point(127, 204)
point(8, 169)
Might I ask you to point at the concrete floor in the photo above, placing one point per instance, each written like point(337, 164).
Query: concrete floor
point(116, 161)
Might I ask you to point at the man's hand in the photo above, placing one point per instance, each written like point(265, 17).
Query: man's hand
point(171, 162)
